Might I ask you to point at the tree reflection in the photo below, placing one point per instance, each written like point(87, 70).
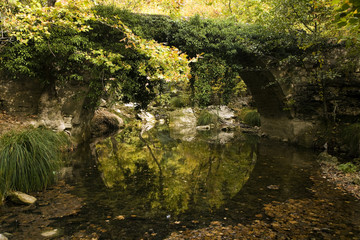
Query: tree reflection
point(171, 175)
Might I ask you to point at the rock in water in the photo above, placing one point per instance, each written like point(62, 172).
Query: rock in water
point(183, 124)
point(51, 233)
point(21, 198)
point(104, 123)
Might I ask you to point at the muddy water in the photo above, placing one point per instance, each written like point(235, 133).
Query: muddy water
point(150, 185)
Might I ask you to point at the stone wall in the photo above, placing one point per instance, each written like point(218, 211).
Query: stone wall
point(19, 97)
point(62, 108)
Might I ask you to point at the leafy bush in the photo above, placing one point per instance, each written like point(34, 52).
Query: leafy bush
point(252, 118)
point(348, 167)
point(207, 117)
point(29, 159)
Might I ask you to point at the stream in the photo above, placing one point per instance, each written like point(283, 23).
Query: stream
point(148, 184)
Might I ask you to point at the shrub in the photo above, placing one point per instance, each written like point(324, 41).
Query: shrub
point(29, 159)
point(252, 118)
point(347, 167)
point(207, 117)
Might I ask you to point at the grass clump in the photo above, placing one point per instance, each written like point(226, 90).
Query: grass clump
point(252, 118)
point(206, 118)
point(29, 159)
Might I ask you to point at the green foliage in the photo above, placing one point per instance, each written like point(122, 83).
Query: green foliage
point(75, 42)
point(347, 19)
point(348, 167)
point(206, 118)
point(298, 16)
point(240, 88)
point(212, 80)
point(223, 45)
point(351, 137)
point(29, 159)
point(70, 42)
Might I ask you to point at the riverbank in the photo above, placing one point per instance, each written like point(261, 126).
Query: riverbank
point(346, 181)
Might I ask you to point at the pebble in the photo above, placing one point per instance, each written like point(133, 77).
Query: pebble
point(50, 233)
point(21, 198)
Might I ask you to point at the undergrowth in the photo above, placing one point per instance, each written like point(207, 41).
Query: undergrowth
point(29, 159)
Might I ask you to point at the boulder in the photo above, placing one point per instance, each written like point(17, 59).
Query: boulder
point(21, 198)
point(182, 124)
point(148, 120)
point(225, 114)
point(104, 123)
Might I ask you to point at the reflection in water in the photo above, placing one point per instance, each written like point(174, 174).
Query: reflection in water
point(174, 175)
point(182, 186)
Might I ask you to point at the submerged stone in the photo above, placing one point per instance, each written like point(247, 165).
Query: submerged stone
point(203, 128)
point(51, 233)
point(21, 198)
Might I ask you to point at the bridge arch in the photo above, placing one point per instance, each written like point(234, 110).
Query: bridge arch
point(264, 88)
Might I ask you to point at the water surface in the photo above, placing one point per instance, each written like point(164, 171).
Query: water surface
point(146, 184)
